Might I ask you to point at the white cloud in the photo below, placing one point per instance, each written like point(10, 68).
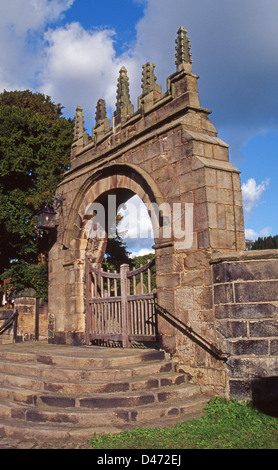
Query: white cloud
point(136, 222)
point(142, 252)
point(22, 23)
point(21, 16)
point(251, 193)
point(80, 66)
point(252, 235)
point(137, 228)
point(265, 232)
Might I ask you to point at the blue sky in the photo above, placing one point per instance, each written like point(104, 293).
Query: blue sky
point(119, 15)
point(73, 50)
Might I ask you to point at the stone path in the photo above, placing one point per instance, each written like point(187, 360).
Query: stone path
point(13, 444)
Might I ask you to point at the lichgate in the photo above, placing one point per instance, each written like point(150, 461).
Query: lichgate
point(169, 154)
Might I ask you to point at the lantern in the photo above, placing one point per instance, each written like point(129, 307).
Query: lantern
point(46, 219)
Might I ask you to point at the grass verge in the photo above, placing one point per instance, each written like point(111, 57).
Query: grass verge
point(225, 425)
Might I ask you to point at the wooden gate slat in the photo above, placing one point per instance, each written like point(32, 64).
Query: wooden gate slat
point(121, 314)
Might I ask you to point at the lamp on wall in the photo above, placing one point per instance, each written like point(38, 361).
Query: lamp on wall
point(46, 218)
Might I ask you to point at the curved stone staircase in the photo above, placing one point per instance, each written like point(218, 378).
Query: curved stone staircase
point(50, 392)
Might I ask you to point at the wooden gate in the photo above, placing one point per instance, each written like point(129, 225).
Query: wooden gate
point(119, 308)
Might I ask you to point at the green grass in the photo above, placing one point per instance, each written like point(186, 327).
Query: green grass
point(225, 425)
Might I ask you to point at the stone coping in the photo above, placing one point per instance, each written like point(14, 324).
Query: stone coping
point(248, 255)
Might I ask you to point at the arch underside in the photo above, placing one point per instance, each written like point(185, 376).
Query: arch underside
point(120, 181)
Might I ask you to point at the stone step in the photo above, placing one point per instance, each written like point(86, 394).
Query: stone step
point(137, 382)
point(61, 416)
point(49, 434)
point(42, 371)
point(170, 413)
point(86, 357)
point(57, 392)
point(98, 400)
point(87, 387)
point(147, 415)
point(156, 416)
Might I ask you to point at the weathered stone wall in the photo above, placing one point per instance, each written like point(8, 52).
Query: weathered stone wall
point(246, 310)
point(32, 322)
point(43, 333)
point(8, 336)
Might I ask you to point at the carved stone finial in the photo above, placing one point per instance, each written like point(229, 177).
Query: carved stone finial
point(102, 122)
point(124, 106)
point(79, 128)
point(101, 113)
point(148, 78)
point(183, 50)
point(151, 91)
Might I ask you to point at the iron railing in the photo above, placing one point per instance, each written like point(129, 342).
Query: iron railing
point(190, 333)
point(9, 322)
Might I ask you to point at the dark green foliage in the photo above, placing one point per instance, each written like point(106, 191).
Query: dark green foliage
point(27, 275)
point(141, 261)
point(266, 243)
point(35, 143)
point(116, 254)
point(39, 103)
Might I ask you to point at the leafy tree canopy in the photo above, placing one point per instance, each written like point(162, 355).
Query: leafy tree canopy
point(35, 142)
point(138, 261)
point(265, 243)
point(116, 254)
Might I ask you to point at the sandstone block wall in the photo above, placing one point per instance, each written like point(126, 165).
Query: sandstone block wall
point(8, 336)
point(32, 319)
point(246, 309)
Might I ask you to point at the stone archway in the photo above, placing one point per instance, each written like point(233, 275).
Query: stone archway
point(118, 182)
point(168, 151)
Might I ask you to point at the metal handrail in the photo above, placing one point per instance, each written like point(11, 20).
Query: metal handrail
point(188, 331)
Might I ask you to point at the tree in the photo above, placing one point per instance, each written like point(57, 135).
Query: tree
point(116, 254)
point(138, 261)
point(35, 142)
point(265, 243)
